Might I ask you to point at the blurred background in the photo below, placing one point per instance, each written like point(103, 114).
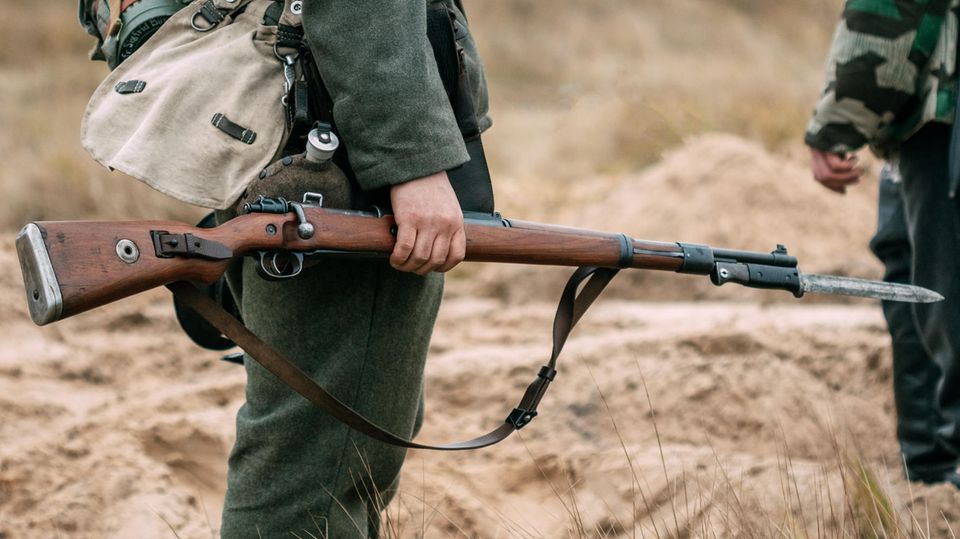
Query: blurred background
point(676, 120)
point(579, 89)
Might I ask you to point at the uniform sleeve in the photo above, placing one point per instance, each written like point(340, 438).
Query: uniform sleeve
point(389, 103)
point(879, 52)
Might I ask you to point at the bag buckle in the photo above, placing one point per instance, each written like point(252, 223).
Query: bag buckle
point(210, 13)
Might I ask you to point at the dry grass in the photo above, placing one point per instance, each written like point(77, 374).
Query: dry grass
point(840, 496)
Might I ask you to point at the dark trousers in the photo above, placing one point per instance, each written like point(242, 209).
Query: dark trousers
point(926, 336)
point(915, 374)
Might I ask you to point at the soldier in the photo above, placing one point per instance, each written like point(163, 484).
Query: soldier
point(892, 85)
point(360, 329)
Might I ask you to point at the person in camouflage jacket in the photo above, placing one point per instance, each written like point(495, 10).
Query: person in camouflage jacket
point(892, 85)
point(891, 70)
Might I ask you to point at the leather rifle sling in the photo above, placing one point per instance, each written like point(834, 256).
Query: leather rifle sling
point(571, 308)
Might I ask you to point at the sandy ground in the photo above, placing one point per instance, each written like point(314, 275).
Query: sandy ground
point(673, 418)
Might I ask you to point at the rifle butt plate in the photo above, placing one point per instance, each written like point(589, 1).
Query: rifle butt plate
point(39, 279)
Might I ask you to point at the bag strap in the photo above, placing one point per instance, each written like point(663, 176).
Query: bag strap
point(115, 9)
point(574, 302)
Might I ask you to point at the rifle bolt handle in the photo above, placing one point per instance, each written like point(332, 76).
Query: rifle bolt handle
point(305, 231)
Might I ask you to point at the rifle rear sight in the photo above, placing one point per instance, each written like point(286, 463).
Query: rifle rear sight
point(280, 205)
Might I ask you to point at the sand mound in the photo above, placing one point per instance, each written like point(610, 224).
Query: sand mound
point(730, 192)
point(717, 189)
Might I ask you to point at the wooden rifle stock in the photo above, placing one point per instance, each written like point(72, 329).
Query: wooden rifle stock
point(73, 266)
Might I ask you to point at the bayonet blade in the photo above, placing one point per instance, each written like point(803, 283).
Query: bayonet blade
point(850, 286)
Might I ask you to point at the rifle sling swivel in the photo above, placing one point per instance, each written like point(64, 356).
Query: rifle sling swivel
point(573, 304)
point(167, 245)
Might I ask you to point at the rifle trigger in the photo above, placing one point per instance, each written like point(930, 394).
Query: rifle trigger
point(167, 245)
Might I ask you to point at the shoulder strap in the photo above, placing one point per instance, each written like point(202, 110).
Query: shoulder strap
point(115, 8)
point(573, 304)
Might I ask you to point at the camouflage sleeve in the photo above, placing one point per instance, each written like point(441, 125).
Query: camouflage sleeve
point(880, 51)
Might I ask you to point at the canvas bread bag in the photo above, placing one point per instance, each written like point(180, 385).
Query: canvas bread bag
point(199, 110)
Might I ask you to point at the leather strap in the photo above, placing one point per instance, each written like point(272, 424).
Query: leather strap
point(243, 134)
point(130, 86)
point(115, 9)
point(571, 308)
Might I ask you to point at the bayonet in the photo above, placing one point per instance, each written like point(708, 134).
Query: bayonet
point(778, 271)
point(865, 288)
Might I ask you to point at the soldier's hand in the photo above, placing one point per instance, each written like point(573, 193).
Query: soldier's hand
point(430, 233)
point(833, 171)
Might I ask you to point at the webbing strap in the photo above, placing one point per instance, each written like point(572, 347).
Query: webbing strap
point(569, 311)
point(115, 9)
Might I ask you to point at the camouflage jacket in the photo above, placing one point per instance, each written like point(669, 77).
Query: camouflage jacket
point(891, 69)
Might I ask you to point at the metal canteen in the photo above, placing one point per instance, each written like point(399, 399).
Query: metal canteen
point(141, 20)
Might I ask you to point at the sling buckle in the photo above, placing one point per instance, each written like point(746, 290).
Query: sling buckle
point(520, 417)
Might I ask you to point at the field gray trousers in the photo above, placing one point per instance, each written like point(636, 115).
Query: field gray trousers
point(361, 330)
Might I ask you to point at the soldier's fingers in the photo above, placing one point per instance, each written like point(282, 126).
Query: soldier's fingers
point(838, 186)
point(820, 170)
point(850, 176)
point(406, 240)
point(824, 174)
point(421, 251)
point(458, 249)
point(840, 163)
point(438, 256)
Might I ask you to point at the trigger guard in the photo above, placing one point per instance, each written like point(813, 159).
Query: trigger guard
point(295, 269)
point(269, 270)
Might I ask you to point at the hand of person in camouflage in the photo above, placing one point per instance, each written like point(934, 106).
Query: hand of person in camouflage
point(430, 233)
point(834, 171)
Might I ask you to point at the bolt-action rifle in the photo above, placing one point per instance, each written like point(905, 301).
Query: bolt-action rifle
point(73, 266)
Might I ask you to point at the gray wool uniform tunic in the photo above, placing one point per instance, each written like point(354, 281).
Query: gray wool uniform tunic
point(360, 329)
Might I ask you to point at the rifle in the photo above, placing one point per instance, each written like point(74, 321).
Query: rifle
point(73, 266)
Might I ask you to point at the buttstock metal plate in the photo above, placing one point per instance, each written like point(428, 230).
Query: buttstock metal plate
point(39, 279)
